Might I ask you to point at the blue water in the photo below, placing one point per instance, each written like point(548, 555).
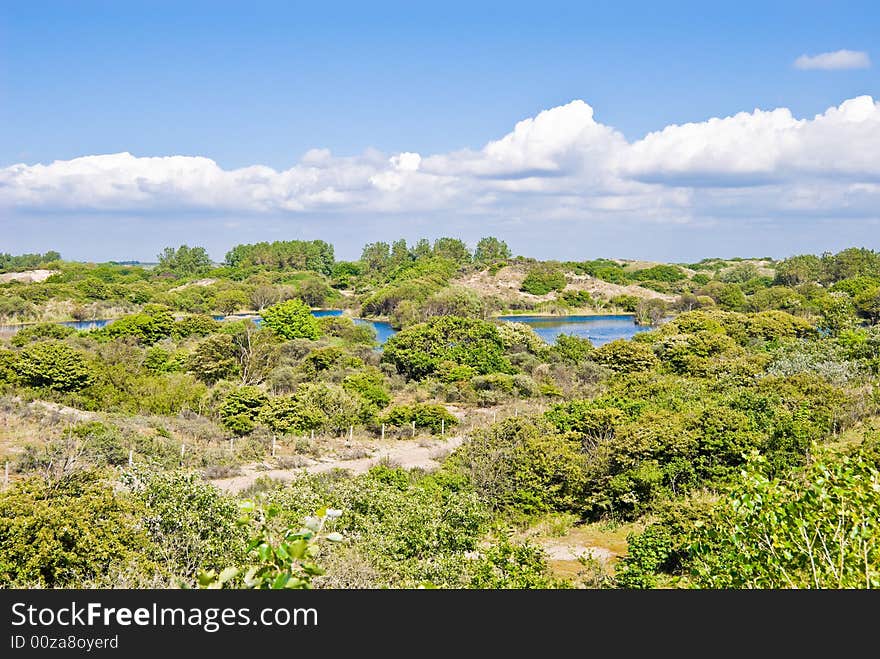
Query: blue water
point(598, 329)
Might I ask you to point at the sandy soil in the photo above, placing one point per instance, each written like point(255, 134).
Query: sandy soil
point(28, 277)
point(421, 454)
point(199, 282)
point(506, 282)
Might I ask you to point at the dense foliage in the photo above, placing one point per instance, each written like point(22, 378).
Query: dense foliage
point(733, 444)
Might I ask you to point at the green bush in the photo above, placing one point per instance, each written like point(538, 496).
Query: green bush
point(55, 366)
point(425, 415)
point(148, 328)
point(625, 356)
point(292, 320)
point(524, 466)
point(240, 409)
point(418, 351)
point(190, 522)
point(40, 332)
point(74, 532)
point(543, 279)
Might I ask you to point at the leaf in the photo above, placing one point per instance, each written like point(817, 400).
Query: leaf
point(205, 578)
point(298, 548)
point(335, 537)
point(265, 552)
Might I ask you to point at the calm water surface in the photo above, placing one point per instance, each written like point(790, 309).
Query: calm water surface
point(599, 329)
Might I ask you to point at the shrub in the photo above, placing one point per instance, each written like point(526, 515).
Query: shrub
point(425, 415)
point(63, 535)
point(40, 332)
point(55, 366)
point(419, 350)
point(147, 328)
point(292, 320)
point(625, 356)
point(543, 279)
point(214, 359)
point(240, 409)
point(195, 325)
point(523, 466)
point(190, 522)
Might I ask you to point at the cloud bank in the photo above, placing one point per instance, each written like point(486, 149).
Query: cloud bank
point(562, 164)
point(839, 59)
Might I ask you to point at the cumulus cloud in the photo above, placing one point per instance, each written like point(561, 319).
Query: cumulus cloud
point(560, 164)
point(762, 147)
point(836, 60)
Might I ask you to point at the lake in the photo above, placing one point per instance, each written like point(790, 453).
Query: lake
point(598, 329)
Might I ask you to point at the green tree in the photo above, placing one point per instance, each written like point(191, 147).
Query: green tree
point(240, 409)
point(867, 304)
point(651, 311)
point(452, 249)
point(184, 261)
point(292, 320)
point(376, 257)
point(230, 301)
point(490, 250)
point(214, 359)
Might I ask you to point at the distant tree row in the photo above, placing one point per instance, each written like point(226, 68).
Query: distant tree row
point(382, 257)
point(26, 261)
point(315, 255)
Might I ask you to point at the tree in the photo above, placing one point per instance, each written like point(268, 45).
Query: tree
point(154, 324)
point(55, 366)
point(376, 257)
point(256, 351)
point(452, 249)
point(798, 270)
point(240, 409)
point(868, 304)
point(419, 350)
point(651, 311)
point(215, 358)
point(230, 301)
point(400, 254)
point(184, 261)
point(314, 292)
point(422, 249)
point(292, 320)
point(315, 255)
point(490, 250)
point(264, 295)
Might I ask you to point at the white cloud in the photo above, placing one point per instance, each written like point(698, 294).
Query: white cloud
point(836, 60)
point(560, 164)
point(762, 147)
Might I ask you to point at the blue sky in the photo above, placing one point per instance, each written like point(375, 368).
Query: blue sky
point(263, 83)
